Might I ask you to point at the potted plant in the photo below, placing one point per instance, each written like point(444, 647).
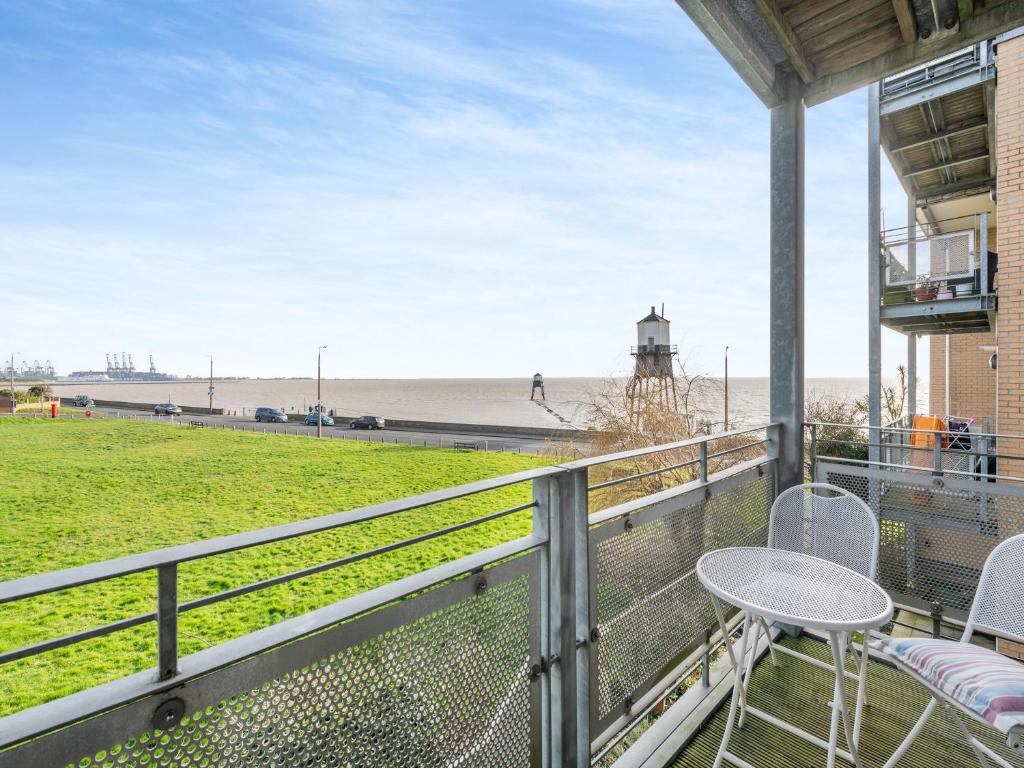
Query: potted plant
point(925, 291)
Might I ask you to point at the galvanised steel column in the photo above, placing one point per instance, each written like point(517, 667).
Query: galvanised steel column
point(787, 284)
point(911, 337)
point(911, 378)
point(561, 514)
point(874, 274)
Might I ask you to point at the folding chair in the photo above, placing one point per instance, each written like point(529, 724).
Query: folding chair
point(831, 523)
point(965, 678)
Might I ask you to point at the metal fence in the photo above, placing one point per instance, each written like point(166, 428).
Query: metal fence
point(941, 510)
point(534, 652)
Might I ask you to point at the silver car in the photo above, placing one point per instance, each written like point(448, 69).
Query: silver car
point(167, 409)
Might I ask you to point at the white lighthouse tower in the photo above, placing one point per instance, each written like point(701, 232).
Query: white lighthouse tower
point(653, 383)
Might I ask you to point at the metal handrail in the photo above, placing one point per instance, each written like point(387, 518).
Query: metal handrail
point(904, 467)
point(638, 452)
point(227, 594)
point(908, 430)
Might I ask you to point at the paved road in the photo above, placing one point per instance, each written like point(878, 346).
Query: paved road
point(341, 431)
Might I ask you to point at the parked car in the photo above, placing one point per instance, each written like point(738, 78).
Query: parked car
point(273, 415)
point(167, 409)
point(326, 420)
point(83, 401)
point(367, 422)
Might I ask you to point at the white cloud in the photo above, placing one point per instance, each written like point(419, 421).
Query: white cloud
point(418, 172)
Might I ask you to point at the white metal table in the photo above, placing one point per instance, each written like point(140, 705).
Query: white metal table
point(775, 585)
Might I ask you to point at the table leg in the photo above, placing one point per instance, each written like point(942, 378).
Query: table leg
point(755, 626)
point(720, 615)
point(839, 710)
point(737, 685)
point(862, 693)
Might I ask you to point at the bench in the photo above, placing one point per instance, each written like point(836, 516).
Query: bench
point(197, 423)
point(462, 445)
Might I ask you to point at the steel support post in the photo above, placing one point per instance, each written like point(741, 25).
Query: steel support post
point(911, 378)
point(787, 285)
point(568, 643)
point(911, 337)
point(167, 621)
point(874, 275)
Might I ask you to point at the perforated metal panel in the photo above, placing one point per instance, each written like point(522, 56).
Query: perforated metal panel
point(952, 254)
point(441, 679)
point(935, 258)
point(935, 532)
point(650, 609)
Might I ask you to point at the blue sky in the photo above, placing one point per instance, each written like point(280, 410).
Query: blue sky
point(431, 189)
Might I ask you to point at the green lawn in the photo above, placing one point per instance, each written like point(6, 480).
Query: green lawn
point(73, 492)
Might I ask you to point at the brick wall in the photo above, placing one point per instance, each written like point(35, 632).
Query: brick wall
point(1010, 244)
point(972, 383)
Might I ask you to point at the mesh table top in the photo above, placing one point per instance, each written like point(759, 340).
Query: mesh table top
point(794, 588)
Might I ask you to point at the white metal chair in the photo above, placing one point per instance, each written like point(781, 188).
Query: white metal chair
point(829, 522)
point(981, 683)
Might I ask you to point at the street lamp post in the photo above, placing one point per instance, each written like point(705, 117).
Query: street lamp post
point(210, 390)
point(14, 406)
point(726, 389)
point(319, 401)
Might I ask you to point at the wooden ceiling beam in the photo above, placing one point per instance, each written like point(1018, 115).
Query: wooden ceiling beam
point(905, 16)
point(722, 25)
point(981, 26)
point(787, 38)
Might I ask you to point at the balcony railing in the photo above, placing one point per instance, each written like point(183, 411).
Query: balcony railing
point(976, 62)
point(545, 650)
point(938, 278)
point(654, 349)
point(942, 502)
point(539, 650)
point(943, 257)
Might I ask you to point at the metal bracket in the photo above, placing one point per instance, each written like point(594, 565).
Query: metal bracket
point(481, 584)
point(595, 634)
point(628, 524)
point(544, 666)
point(628, 704)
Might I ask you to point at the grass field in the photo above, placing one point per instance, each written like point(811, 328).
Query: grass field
point(73, 492)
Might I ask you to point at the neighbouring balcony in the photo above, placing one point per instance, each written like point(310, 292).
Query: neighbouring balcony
point(587, 640)
point(939, 279)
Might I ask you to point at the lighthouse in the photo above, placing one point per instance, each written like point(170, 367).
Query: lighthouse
point(652, 384)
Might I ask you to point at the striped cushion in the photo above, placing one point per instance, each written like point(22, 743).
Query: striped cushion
point(982, 681)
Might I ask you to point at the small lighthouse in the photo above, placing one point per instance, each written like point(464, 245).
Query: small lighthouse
point(653, 383)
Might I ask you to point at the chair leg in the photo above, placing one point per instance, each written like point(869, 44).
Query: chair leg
point(982, 759)
point(914, 733)
point(771, 645)
point(838, 642)
point(737, 687)
point(861, 664)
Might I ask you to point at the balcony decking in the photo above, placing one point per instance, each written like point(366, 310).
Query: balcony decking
point(800, 694)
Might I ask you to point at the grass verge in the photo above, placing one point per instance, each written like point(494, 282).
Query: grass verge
point(77, 491)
